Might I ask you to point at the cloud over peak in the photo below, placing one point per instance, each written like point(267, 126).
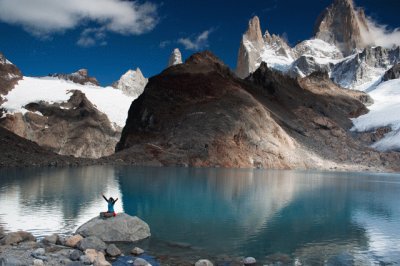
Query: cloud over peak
point(45, 17)
point(198, 42)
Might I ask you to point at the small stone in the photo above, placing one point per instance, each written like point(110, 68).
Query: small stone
point(75, 254)
point(52, 239)
point(61, 240)
point(37, 262)
point(39, 252)
point(113, 251)
point(203, 263)
point(91, 254)
point(249, 261)
point(141, 262)
point(137, 251)
point(74, 263)
point(92, 242)
point(85, 260)
point(73, 241)
point(101, 260)
point(11, 262)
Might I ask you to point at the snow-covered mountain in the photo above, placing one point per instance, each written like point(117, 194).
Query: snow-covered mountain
point(67, 113)
point(342, 46)
point(132, 83)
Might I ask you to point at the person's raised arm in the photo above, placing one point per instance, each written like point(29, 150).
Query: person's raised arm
point(104, 198)
point(115, 200)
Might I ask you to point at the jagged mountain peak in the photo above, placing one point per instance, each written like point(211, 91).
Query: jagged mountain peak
point(175, 58)
point(254, 33)
point(132, 83)
point(343, 25)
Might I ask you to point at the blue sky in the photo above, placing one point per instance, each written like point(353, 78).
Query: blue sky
point(102, 36)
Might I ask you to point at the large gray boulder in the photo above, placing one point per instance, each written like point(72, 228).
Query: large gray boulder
point(121, 228)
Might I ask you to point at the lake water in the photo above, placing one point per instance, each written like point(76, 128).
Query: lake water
point(290, 216)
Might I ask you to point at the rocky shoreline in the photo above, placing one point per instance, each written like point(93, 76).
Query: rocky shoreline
point(86, 247)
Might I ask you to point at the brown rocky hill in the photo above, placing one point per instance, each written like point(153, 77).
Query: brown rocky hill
point(74, 128)
point(201, 114)
point(19, 152)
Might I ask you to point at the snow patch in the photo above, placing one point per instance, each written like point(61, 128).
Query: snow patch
point(383, 112)
point(114, 103)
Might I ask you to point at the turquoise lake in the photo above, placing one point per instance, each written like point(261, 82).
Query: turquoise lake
point(306, 217)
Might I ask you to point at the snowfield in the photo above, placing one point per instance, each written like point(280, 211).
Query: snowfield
point(384, 112)
point(110, 101)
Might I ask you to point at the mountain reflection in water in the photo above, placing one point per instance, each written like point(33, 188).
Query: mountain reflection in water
point(313, 217)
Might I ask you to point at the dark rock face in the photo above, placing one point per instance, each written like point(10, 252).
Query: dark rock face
point(200, 114)
point(81, 77)
point(393, 73)
point(9, 76)
point(342, 25)
point(73, 128)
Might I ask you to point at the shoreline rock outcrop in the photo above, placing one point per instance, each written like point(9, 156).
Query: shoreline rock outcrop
point(121, 228)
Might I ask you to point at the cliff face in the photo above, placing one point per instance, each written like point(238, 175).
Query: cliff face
point(341, 24)
point(200, 114)
point(250, 49)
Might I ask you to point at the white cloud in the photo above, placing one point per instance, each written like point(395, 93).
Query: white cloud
point(380, 35)
point(45, 17)
point(198, 43)
point(164, 44)
point(92, 37)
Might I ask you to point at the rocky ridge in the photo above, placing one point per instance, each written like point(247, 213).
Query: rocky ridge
point(81, 77)
point(341, 47)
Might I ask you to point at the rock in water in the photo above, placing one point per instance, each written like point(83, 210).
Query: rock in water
point(249, 261)
point(175, 58)
point(141, 262)
point(123, 227)
point(137, 251)
point(203, 263)
point(113, 251)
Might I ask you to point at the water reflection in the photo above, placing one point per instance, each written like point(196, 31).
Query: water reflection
point(312, 217)
point(54, 200)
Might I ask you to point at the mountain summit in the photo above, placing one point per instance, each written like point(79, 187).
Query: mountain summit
point(250, 49)
point(342, 25)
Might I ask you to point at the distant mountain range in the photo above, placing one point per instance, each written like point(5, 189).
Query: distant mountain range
point(331, 102)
